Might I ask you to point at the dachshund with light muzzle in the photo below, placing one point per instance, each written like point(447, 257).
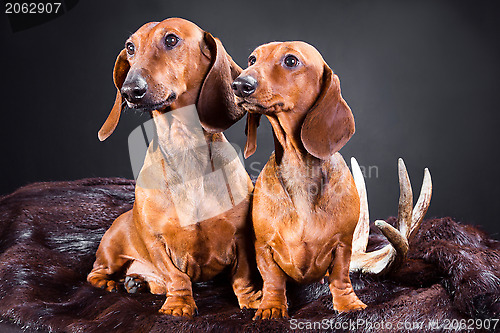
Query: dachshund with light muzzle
point(305, 204)
point(177, 232)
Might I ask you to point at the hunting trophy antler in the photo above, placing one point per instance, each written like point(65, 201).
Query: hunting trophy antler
point(383, 260)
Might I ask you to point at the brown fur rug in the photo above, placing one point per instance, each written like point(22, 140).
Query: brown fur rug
point(49, 233)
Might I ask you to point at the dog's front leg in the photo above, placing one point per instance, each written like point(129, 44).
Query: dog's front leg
point(244, 289)
point(180, 301)
point(274, 303)
point(344, 298)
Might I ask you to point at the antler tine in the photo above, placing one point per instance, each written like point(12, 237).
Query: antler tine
point(399, 238)
point(362, 231)
point(423, 202)
point(396, 238)
point(374, 262)
point(390, 256)
point(405, 209)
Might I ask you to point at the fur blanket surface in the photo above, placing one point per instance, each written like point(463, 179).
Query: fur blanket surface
point(49, 233)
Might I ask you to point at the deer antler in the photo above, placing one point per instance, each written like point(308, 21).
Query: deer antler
point(409, 219)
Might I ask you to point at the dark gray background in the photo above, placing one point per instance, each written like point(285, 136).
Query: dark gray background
point(422, 78)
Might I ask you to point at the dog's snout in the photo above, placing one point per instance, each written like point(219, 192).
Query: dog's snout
point(244, 86)
point(134, 90)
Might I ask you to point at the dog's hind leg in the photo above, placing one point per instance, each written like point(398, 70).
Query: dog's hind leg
point(111, 264)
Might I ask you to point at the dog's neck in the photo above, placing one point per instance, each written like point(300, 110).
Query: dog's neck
point(288, 143)
point(181, 127)
point(301, 173)
point(183, 143)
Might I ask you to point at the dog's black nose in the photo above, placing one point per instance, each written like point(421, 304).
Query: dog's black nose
point(244, 86)
point(133, 90)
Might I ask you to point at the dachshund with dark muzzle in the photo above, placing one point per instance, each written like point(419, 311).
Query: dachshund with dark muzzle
point(305, 204)
point(178, 230)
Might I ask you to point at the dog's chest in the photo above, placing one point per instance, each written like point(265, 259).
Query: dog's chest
point(306, 185)
point(201, 250)
point(304, 202)
point(304, 254)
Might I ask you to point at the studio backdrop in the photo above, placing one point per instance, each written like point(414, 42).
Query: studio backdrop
point(421, 78)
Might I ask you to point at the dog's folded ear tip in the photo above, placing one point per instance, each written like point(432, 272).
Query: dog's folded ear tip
point(250, 148)
point(102, 136)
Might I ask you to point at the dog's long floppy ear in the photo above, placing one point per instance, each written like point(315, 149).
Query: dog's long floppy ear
point(119, 75)
point(253, 121)
point(216, 103)
point(329, 124)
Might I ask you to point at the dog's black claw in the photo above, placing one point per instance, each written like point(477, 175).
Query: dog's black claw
point(134, 284)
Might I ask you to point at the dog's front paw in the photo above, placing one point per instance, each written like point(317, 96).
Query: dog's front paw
point(271, 310)
point(103, 282)
point(251, 300)
point(348, 302)
point(181, 306)
point(111, 286)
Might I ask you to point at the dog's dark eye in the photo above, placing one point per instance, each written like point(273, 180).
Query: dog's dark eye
point(291, 61)
point(171, 40)
point(130, 48)
point(251, 60)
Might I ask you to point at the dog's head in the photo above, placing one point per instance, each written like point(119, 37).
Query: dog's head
point(292, 82)
point(171, 64)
